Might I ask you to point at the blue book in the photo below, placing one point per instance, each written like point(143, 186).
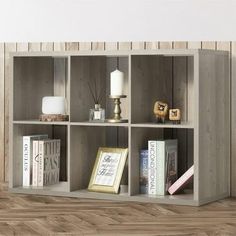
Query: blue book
point(143, 171)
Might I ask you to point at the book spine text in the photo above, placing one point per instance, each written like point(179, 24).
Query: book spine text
point(26, 161)
point(152, 168)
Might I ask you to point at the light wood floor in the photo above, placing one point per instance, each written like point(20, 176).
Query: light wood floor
point(40, 215)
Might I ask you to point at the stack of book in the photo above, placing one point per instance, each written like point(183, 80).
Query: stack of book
point(41, 160)
point(158, 168)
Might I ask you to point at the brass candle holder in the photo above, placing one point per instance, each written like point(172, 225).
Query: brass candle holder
point(117, 110)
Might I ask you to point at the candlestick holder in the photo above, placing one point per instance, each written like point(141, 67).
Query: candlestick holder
point(117, 110)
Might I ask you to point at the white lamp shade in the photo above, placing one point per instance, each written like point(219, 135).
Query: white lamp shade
point(53, 105)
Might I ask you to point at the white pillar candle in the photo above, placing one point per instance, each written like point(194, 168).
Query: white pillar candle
point(117, 83)
point(53, 105)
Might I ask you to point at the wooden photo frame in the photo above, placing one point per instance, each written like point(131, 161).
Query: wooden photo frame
point(108, 170)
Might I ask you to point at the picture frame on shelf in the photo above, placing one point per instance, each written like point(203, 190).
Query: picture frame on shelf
point(108, 169)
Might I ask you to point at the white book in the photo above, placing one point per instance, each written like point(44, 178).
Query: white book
point(41, 163)
point(35, 162)
point(49, 162)
point(152, 167)
point(28, 158)
point(166, 165)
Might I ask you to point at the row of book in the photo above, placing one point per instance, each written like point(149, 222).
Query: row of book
point(41, 160)
point(158, 168)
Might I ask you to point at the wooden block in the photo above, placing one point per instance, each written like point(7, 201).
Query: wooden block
point(50, 118)
point(174, 115)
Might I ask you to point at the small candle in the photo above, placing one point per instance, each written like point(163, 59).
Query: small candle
point(117, 83)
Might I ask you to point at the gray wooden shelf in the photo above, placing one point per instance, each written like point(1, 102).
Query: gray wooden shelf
point(183, 125)
point(60, 187)
point(195, 81)
point(180, 199)
point(85, 123)
point(37, 122)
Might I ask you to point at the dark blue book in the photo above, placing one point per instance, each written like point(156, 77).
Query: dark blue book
point(143, 172)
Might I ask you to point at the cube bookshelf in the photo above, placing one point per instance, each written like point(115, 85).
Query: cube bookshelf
point(195, 81)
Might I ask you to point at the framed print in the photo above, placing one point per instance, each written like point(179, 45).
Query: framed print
point(108, 170)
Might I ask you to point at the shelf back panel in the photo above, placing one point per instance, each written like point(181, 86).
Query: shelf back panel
point(161, 78)
point(34, 78)
point(139, 141)
point(85, 142)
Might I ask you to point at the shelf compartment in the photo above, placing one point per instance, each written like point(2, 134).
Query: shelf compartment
point(161, 78)
point(53, 131)
point(140, 137)
point(34, 78)
point(87, 69)
point(85, 141)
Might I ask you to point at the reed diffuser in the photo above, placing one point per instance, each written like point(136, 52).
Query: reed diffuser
point(96, 114)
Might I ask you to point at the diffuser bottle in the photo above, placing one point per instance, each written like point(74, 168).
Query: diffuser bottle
point(97, 113)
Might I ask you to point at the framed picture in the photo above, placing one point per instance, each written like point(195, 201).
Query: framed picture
point(108, 170)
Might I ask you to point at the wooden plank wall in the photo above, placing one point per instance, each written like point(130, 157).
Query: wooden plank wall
point(6, 48)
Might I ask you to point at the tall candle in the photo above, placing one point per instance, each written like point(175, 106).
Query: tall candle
point(117, 82)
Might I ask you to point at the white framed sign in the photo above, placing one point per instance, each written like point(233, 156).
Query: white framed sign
point(108, 170)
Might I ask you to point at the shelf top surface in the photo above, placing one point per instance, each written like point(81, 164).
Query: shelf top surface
point(182, 199)
point(164, 52)
point(87, 123)
point(37, 122)
point(183, 125)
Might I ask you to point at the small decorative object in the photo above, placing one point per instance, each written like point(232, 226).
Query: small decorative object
point(175, 116)
point(53, 105)
point(53, 109)
point(117, 83)
point(160, 110)
point(50, 118)
point(97, 113)
point(108, 170)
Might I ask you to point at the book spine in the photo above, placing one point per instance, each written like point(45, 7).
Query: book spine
point(41, 163)
point(26, 161)
point(161, 168)
point(52, 162)
point(144, 171)
point(152, 155)
point(171, 152)
point(35, 163)
point(32, 138)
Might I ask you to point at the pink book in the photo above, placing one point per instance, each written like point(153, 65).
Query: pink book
point(180, 182)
